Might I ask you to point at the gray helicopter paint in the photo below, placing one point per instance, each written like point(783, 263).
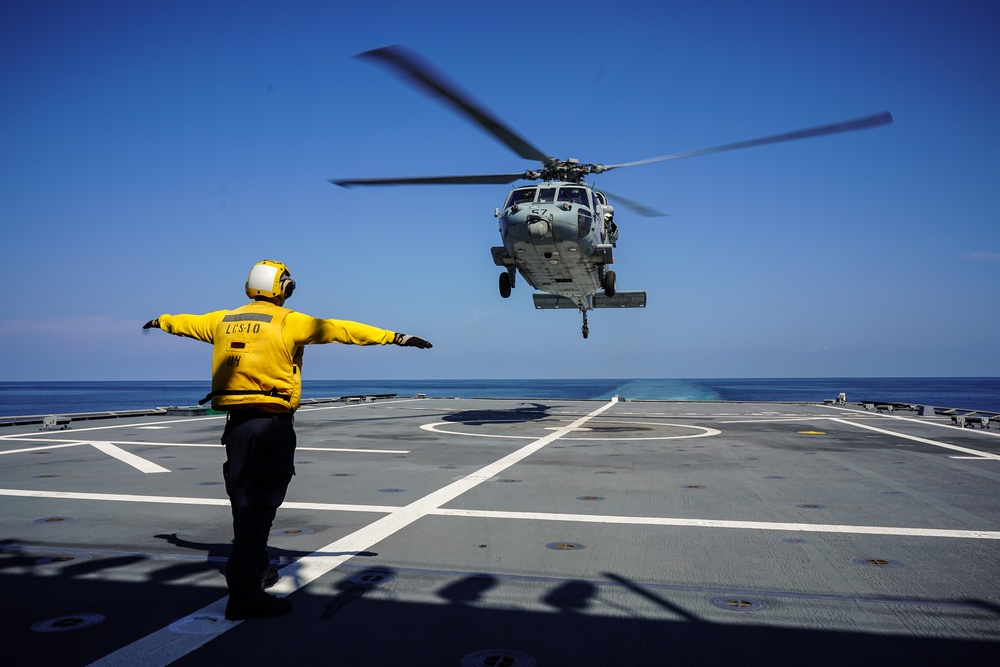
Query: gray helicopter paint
point(559, 246)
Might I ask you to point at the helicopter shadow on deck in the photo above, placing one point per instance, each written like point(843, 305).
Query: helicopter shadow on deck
point(525, 412)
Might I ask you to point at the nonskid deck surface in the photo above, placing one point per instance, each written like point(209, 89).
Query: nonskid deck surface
point(515, 532)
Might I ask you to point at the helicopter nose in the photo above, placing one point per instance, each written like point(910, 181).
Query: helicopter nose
point(538, 228)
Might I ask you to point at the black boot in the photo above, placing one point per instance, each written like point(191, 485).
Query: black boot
point(255, 604)
point(269, 578)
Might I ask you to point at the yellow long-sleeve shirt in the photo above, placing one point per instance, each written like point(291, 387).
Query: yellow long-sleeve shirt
point(257, 351)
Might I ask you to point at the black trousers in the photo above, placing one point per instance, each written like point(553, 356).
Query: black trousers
point(260, 451)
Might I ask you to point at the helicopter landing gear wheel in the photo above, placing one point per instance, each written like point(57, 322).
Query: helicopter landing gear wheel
point(609, 283)
point(505, 285)
point(586, 329)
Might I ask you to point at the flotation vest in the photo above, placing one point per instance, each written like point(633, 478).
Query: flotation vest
point(252, 366)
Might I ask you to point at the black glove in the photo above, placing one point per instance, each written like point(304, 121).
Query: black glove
point(152, 324)
point(405, 340)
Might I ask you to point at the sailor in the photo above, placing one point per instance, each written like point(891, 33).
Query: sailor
point(257, 380)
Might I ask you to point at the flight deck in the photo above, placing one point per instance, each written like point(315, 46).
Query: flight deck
point(501, 532)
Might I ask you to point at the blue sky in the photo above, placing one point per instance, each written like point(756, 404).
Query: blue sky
point(152, 152)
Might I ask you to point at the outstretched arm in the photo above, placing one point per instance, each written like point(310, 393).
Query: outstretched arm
point(199, 327)
point(304, 329)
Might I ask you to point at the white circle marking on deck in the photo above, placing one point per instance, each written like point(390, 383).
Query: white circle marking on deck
point(704, 431)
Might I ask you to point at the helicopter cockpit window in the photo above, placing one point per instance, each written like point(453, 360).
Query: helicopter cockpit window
point(546, 195)
point(520, 196)
point(574, 196)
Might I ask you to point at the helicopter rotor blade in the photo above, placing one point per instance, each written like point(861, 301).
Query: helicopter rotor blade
point(875, 120)
point(641, 209)
point(487, 179)
point(423, 75)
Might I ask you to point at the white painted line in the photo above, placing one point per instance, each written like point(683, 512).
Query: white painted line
point(181, 500)
point(172, 422)
point(78, 441)
point(137, 462)
point(146, 443)
point(530, 516)
point(935, 443)
point(355, 451)
point(165, 646)
point(42, 449)
point(774, 420)
point(114, 497)
point(978, 431)
point(705, 431)
point(714, 523)
point(108, 427)
point(433, 428)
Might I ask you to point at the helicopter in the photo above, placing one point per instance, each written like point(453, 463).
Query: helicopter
point(559, 234)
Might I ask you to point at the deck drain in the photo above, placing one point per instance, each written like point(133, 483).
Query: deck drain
point(61, 560)
point(694, 486)
point(371, 578)
point(810, 506)
point(44, 476)
point(795, 540)
point(510, 481)
point(564, 546)
point(209, 483)
point(732, 603)
point(500, 657)
point(53, 519)
point(891, 493)
point(342, 474)
point(291, 532)
point(391, 490)
point(589, 498)
point(877, 562)
point(774, 477)
point(202, 624)
point(606, 472)
point(66, 623)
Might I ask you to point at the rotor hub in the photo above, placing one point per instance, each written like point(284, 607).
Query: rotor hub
point(570, 171)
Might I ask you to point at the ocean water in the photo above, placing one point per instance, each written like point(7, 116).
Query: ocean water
point(41, 398)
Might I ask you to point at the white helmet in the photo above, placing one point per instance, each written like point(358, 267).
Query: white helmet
point(270, 279)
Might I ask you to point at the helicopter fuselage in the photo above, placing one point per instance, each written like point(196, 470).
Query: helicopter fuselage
point(559, 236)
